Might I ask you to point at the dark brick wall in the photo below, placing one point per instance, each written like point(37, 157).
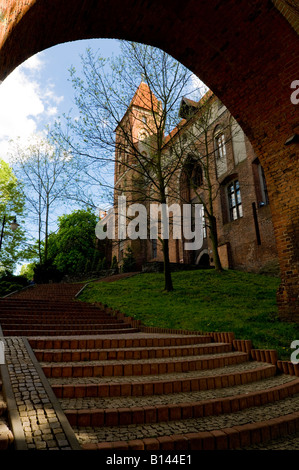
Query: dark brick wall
point(246, 53)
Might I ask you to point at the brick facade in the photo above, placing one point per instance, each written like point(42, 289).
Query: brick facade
point(247, 55)
point(246, 243)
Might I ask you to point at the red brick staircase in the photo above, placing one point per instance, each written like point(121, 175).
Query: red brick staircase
point(49, 310)
point(124, 386)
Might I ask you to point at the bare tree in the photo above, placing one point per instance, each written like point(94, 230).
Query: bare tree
point(199, 143)
point(47, 177)
point(120, 133)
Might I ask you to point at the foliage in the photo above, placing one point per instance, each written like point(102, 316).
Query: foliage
point(72, 248)
point(10, 283)
point(105, 131)
point(114, 263)
point(129, 262)
point(48, 176)
point(27, 270)
point(46, 272)
point(11, 206)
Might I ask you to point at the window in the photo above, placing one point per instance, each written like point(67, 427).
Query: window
point(144, 119)
point(154, 248)
point(234, 200)
point(143, 134)
point(197, 179)
point(121, 250)
point(263, 185)
point(220, 146)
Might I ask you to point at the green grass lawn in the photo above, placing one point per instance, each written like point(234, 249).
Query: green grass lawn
point(206, 301)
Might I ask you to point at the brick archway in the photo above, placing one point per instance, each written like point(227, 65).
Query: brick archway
point(246, 52)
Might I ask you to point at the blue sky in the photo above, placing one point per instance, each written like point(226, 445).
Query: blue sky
point(38, 91)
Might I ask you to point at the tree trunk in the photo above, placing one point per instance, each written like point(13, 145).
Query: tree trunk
point(214, 240)
point(168, 286)
point(46, 232)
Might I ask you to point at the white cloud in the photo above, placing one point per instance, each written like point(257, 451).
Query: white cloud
point(198, 88)
point(25, 103)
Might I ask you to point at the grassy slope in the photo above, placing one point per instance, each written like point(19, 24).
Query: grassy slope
point(204, 301)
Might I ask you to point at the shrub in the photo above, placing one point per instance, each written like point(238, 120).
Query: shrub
point(46, 272)
point(129, 263)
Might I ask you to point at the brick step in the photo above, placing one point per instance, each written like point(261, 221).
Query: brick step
point(284, 442)
point(67, 332)
point(137, 367)
point(23, 303)
point(145, 410)
point(46, 291)
point(59, 315)
point(114, 342)
point(73, 326)
point(64, 355)
point(42, 317)
point(227, 376)
point(33, 309)
point(239, 437)
point(64, 323)
point(235, 430)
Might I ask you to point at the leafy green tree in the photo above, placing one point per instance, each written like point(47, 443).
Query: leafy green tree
point(129, 262)
point(27, 270)
point(11, 206)
point(74, 245)
point(114, 264)
point(10, 282)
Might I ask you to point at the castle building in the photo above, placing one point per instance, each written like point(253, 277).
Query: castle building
point(208, 160)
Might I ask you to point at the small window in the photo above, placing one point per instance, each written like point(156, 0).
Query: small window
point(234, 200)
point(154, 248)
point(143, 134)
point(220, 146)
point(197, 179)
point(144, 119)
point(263, 185)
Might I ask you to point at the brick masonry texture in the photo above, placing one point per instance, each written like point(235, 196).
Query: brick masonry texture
point(221, 394)
point(255, 69)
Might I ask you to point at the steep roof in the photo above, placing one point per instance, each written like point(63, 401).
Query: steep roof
point(144, 98)
point(188, 108)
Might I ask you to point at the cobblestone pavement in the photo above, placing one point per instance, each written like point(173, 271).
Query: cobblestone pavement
point(149, 361)
point(287, 443)
point(43, 428)
point(126, 402)
point(177, 375)
point(41, 425)
point(132, 432)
